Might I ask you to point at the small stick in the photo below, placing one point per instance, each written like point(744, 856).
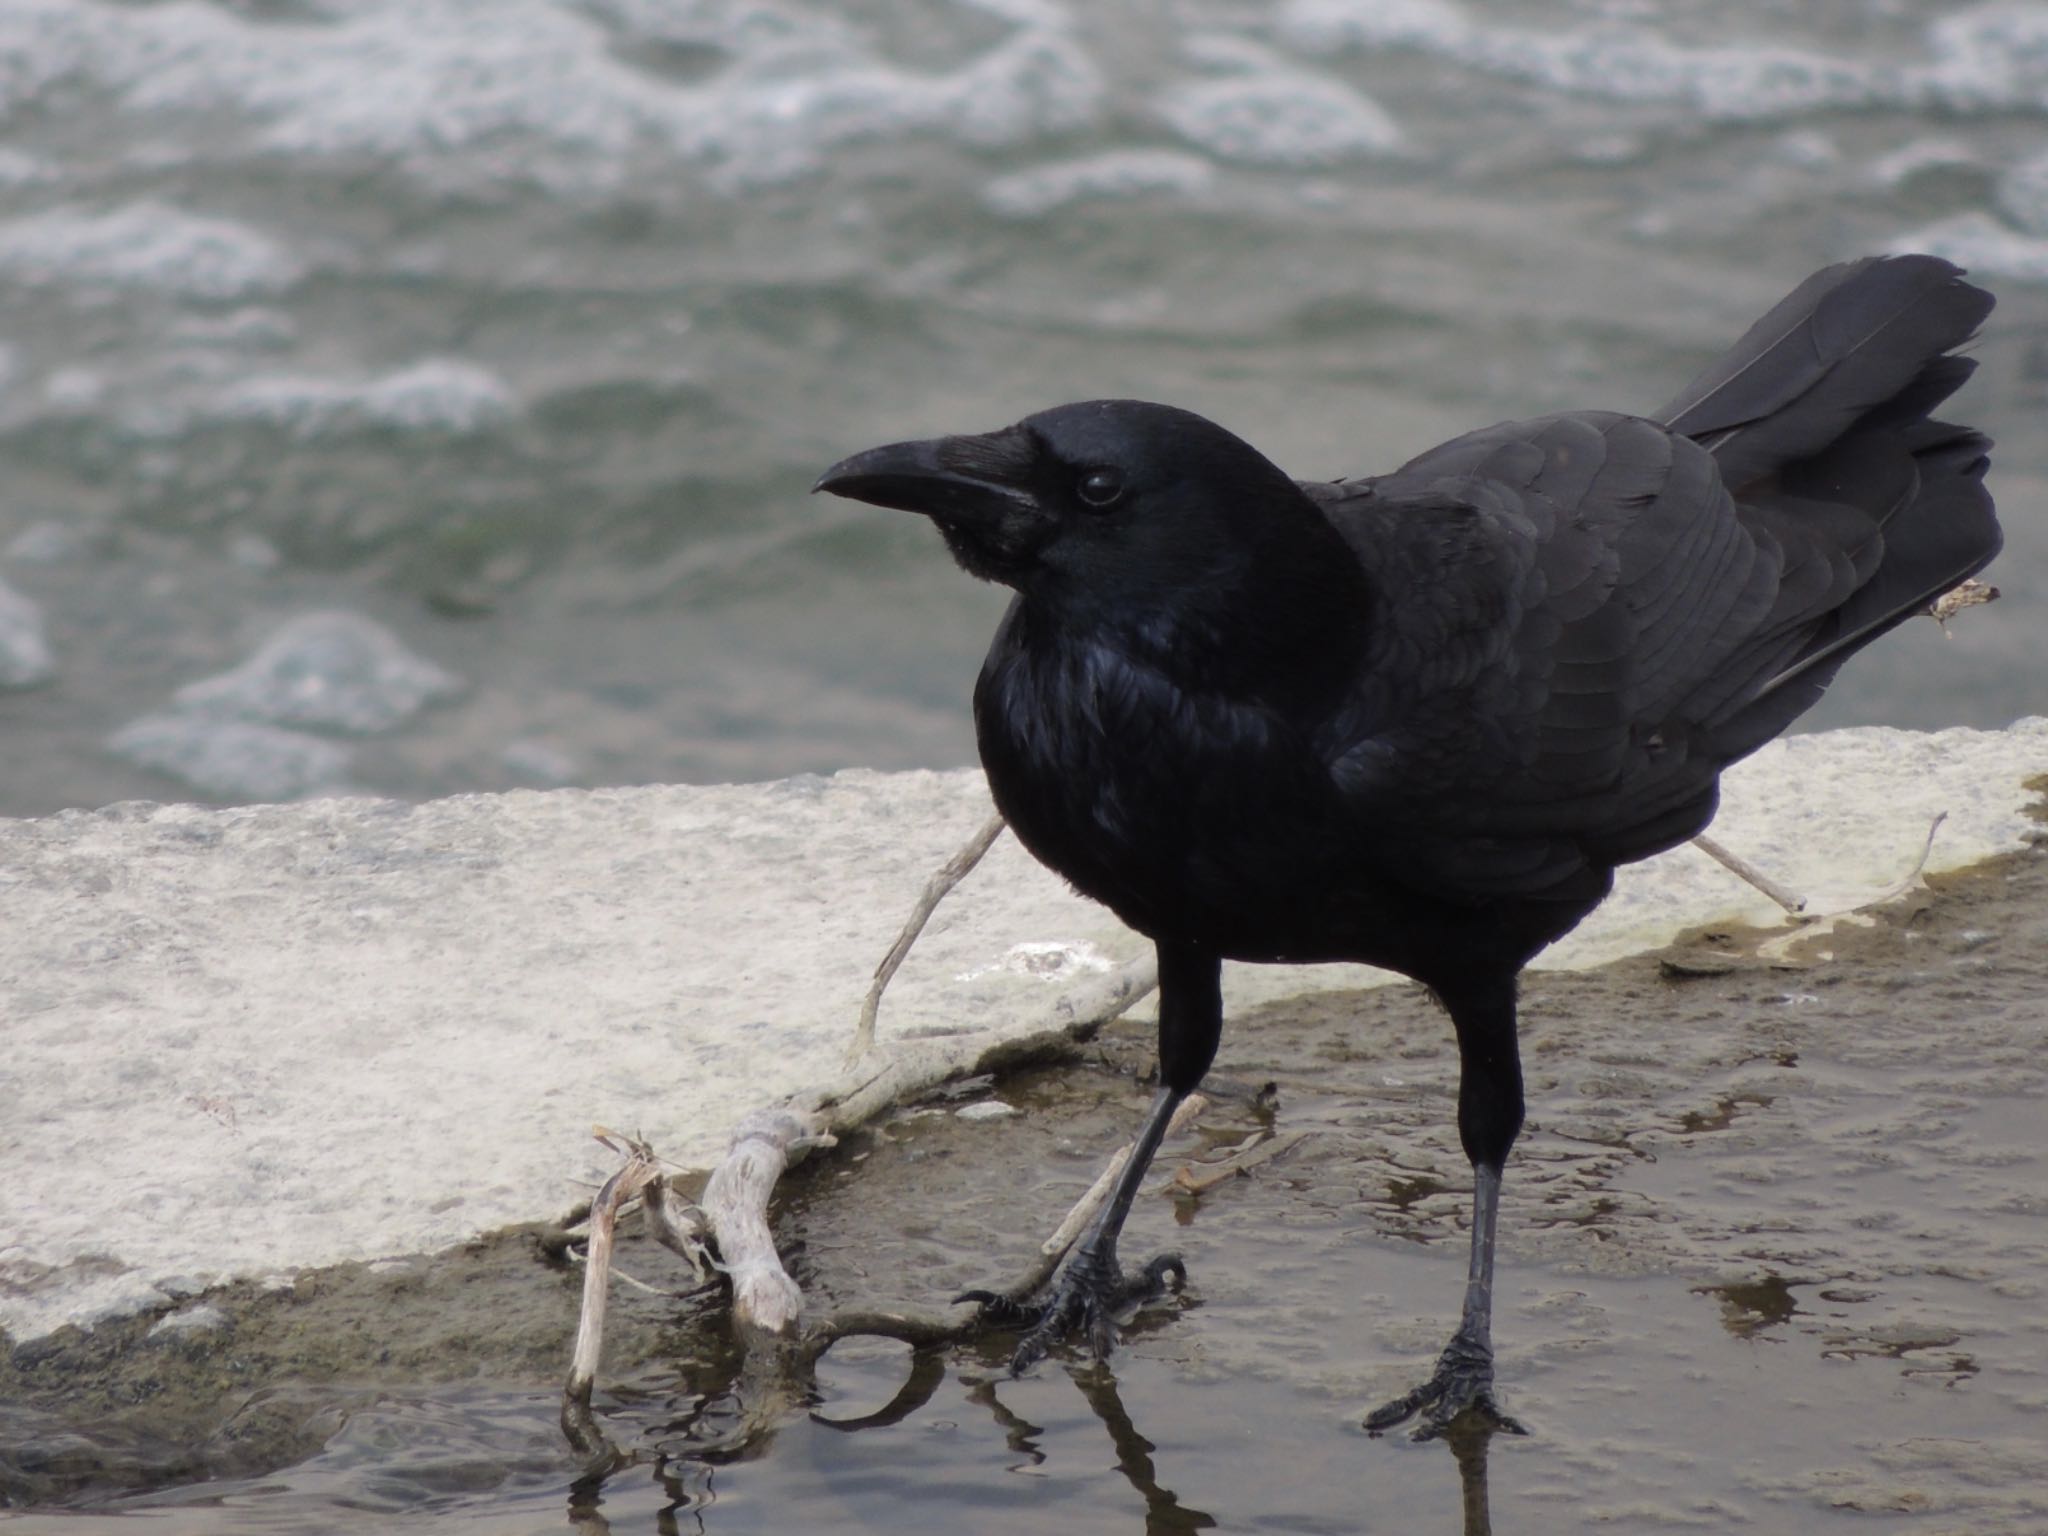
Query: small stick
point(919, 1330)
point(877, 1083)
point(950, 874)
point(679, 1228)
point(642, 1286)
point(1064, 1234)
point(639, 1170)
point(1790, 900)
point(1211, 1174)
point(1912, 877)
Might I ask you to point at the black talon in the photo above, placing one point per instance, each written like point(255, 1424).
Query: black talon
point(1087, 1297)
point(1150, 1282)
point(1001, 1310)
point(1461, 1385)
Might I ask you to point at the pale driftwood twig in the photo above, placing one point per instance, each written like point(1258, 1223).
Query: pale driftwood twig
point(1070, 1228)
point(1196, 1180)
point(638, 1171)
point(1790, 900)
point(1816, 925)
point(678, 1227)
point(878, 1082)
point(736, 1204)
point(1913, 876)
point(950, 874)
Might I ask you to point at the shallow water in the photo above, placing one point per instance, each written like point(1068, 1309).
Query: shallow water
point(1772, 1258)
point(520, 327)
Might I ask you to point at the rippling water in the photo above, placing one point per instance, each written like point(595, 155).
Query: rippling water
point(518, 329)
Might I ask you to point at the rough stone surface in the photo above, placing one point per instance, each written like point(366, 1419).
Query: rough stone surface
point(255, 1039)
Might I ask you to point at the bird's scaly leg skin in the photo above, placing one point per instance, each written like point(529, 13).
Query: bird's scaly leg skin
point(1088, 1296)
point(1462, 1384)
point(1091, 1288)
point(1463, 1381)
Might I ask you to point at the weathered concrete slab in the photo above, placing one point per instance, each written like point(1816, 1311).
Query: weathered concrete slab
point(255, 1039)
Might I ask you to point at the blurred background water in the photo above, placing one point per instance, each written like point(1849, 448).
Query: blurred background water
point(421, 395)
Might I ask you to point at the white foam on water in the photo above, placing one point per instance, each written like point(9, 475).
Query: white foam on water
point(1025, 13)
point(1936, 152)
point(1280, 118)
point(539, 92)
point(1048, 960)
point(2023, 195)
point(233, 759)
point(148, 245)
point(1113, 176)
point(1991, 58)
point(19, 169)
point(730, 26)
point(1983, 243)
point(435, 394)
point(2011, 242)
point(25, 657)
point(49, 541)
point(329, 671)
point(244, 733)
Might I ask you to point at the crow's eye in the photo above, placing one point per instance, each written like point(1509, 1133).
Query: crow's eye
point(1100, 488)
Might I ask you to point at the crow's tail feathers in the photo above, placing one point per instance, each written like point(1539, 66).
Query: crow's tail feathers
point(1819, 418)
point(1849, 341)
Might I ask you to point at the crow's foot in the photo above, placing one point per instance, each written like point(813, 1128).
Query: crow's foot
point(1086, 1298)
point(1462, 1385)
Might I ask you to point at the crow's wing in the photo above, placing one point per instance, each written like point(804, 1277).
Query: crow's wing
point(1571, 609)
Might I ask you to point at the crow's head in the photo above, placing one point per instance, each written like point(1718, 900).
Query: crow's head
point(1115, 502)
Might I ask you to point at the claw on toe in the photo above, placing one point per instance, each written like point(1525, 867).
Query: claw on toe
point(1460, 1393)
point(1149, 1284)
point(1443, 1410)
point(1000, 1310)
point(1086, 1299)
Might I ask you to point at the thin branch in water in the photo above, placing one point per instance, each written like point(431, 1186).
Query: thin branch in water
point(634, 1175)
point(1196, 1181)
point(1085, 1208)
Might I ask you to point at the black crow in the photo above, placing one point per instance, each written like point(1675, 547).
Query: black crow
point(1416, 720)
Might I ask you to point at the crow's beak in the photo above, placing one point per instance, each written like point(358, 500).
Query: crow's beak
point(957, 480)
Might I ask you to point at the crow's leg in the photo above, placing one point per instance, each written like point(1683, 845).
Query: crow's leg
point(1463, 1381)
point(1091, 1287)
point(1482, 1008)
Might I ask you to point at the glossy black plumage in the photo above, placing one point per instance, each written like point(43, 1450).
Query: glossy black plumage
point(1417, 720)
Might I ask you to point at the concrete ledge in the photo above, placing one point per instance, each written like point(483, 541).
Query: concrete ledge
point(249, 1040)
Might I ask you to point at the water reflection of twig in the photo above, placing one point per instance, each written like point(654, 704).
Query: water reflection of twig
point(1165, 1515)
point(1019, 1433)
point(927, 1374)
point(688, 1487)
